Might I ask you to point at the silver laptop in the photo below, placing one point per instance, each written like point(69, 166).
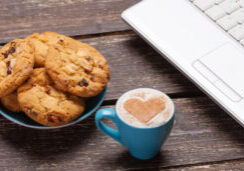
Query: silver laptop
point(203, 38)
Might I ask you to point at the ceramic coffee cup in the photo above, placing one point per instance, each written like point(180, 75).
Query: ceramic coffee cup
point(142, 143)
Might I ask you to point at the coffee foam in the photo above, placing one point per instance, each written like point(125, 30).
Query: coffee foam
point(145, 94)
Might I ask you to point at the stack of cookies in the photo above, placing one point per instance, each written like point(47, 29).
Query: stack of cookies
point(48, 76)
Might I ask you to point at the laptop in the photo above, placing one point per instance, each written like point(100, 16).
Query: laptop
point(204, 39)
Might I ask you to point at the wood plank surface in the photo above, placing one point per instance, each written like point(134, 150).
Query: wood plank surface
point(18, 18)
point(202, 133)
point(222, 166)
point(135, 64)
point(204, 136)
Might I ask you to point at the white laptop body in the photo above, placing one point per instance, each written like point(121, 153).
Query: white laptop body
point(201, 49)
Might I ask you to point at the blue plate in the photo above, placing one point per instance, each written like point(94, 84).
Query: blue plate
point(92, 104)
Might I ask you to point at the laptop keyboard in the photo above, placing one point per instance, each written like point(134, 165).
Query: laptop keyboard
point(228, 14)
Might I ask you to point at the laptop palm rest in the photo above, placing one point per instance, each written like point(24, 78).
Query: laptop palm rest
point(224, 68)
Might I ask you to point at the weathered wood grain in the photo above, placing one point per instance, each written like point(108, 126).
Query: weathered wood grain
point(135, 64)
point(202, 133)
point(223, 166)
point(71, 17)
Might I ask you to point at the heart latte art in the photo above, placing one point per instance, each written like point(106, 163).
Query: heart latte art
point(144, 107)
point(144, 111)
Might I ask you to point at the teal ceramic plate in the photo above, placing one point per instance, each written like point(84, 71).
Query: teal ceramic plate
point(92, 104)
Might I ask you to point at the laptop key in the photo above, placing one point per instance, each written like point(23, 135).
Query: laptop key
point(239, 15)
point(204, 4)
point(218, 1)
point(237, 32)
point(215, 12)
point(230, 5)
point(227, 22)
point(228, 14)
point(242, 42)
point(241, 3)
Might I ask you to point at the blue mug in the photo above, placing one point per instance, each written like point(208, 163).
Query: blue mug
point(142, 143)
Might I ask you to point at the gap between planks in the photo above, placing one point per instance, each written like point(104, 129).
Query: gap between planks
point(203, 164)
point(171, 95)
point(104, 34)
point(97, 35)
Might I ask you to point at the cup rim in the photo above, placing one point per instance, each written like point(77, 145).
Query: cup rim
point(146, 128)
point(42, 127)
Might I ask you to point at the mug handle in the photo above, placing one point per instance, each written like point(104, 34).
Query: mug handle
point(107, 113)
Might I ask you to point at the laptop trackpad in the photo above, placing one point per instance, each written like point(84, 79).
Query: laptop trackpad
point(224, 67)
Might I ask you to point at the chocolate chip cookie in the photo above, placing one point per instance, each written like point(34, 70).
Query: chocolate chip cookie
point(77, 68)
point(45, 104)
point(11, 102)
point(41, 43)
point(16, 65)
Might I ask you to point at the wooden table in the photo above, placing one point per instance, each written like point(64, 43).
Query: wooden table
point(203, 137)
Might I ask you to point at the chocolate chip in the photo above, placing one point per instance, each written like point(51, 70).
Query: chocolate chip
point(8, 63)
point(33, 113)
point(5, 55)
point(88, 58)
point(100, 66)
point(50, 118)
point(60, 119)
point(87, 71)
point(92, 79)
point(48, 90)
point(9, 69)
point(83, 82)
point(9, 72)
point(11, 50)
point(61, 41)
